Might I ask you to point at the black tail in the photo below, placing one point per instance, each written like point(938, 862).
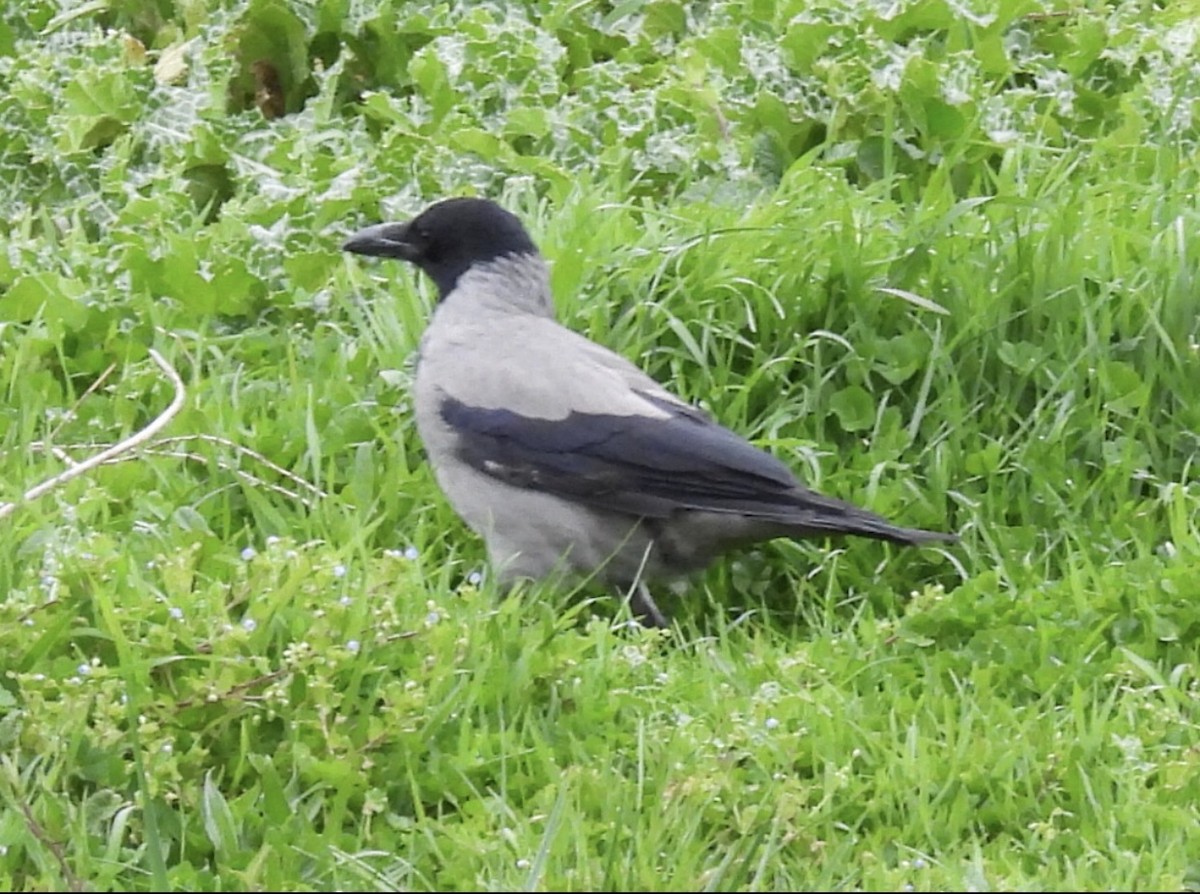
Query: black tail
point(820, 515)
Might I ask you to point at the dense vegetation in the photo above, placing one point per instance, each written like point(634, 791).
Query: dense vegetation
point(940, 256)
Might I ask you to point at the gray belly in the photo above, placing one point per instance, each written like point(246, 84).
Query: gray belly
point(534, 535)
point(530, 534)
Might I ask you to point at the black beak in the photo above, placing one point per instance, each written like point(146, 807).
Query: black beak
point(389, 240)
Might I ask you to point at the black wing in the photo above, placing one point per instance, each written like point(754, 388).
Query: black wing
point(642, 465)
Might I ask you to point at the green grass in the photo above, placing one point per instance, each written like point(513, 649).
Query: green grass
point(942, 263)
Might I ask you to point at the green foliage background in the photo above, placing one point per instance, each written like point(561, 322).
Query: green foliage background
point(939, 256)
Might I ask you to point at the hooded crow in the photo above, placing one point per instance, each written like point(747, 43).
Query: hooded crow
point(564, 456)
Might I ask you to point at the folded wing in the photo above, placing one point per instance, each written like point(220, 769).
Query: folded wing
point(647, 465)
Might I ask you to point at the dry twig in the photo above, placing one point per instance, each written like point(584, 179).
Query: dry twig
point(122, 447)
point(56, 848)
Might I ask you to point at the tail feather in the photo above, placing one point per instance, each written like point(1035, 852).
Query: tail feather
point(801, 514)
point(848, 519)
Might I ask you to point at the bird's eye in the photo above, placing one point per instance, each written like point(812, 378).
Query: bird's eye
point(425, 242)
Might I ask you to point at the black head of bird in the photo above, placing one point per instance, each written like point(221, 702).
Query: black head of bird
point(447, 239)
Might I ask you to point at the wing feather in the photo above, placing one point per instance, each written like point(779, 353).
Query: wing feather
point(643, 465)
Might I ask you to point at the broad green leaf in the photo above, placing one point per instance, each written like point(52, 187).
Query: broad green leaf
point(53, 298)
point(854, 408)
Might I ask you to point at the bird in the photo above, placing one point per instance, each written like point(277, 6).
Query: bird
point(564, 456)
